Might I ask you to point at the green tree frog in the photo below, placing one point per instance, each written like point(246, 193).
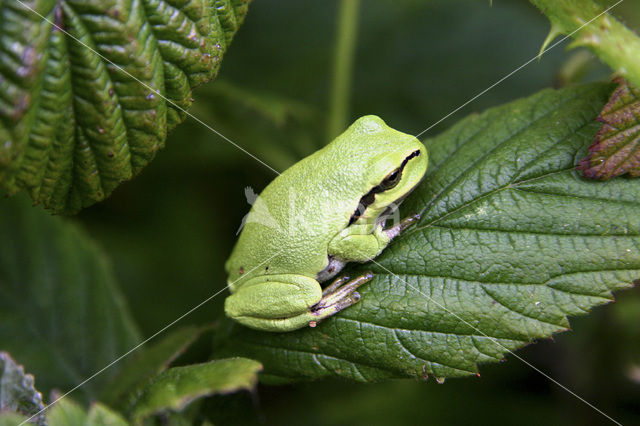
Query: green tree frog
point(328, 209)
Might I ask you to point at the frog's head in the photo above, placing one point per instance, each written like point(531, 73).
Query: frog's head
point(395, 163)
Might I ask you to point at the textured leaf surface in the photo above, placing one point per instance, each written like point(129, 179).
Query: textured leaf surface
point(511, 241)
point(61, 313)
point(616, 148)
point(79, 109)
point(17, 392)
point(145, 363)
point(179, 386)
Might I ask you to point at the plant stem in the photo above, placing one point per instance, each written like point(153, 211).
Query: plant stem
point(342, 67)
point(609, 39)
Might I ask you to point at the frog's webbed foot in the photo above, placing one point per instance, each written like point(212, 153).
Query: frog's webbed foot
point(339, 295)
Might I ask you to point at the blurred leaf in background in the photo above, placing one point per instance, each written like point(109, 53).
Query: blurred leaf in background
point(63, 315)
point(179, 386)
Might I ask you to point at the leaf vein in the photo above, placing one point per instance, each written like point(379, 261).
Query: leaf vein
point(496, 146)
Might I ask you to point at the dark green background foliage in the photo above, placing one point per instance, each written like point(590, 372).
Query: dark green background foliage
point(492, 226)
point(60, 293)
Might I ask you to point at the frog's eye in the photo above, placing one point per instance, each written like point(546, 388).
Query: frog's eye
point(391, 180)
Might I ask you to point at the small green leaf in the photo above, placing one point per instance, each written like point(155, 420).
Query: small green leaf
point(616, 148)
point(177, 387)
point(61, 312)
point(66, 412)
point(11, 419)
point(145, 363)
point(79, 109)
point(17, 392)
point(511, 241)
point(100, 415)
point(604, 35)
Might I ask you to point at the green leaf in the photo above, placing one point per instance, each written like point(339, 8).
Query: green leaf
point(66, 412)
point(17, 392)
point(608, 38)
point(80, 109)
point(145, 363)
point(61, 312)
point(511, 241)
point(177, 387)
point(616, 148)
point(100, 415)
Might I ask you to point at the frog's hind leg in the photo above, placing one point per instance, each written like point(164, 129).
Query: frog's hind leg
point(273, 297)
point(290, 302)
point(335, 284)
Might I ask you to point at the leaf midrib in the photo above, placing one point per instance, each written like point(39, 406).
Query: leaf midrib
point(552, 277)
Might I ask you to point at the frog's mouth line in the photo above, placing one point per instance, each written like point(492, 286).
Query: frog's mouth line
point(370, 196)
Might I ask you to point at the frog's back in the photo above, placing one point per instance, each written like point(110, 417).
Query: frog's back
point(292, 221)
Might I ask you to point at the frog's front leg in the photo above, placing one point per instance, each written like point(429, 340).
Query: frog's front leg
point(288, 302)
point(396, 230)
point(357, 243)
